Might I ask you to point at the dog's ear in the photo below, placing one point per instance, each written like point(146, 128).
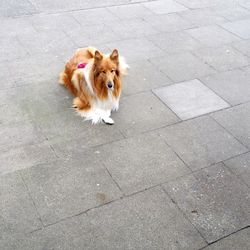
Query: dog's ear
point(98, 56)
point(114, 56)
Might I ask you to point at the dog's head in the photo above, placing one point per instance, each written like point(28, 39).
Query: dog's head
point(106, 73)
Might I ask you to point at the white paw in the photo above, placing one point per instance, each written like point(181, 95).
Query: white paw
point(115, 107)
point(108, 121)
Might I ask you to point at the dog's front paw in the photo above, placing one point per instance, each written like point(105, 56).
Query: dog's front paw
point(108, 121)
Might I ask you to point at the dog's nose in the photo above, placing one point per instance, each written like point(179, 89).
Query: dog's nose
point(110, 85)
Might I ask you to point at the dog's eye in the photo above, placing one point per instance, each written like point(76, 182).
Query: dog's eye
point(104, 72)
point(112, 71)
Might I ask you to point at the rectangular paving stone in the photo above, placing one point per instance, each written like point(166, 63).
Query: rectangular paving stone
point(202, 17)
point(16, 8)
point(190, 99)
point(25, 157)
point(182, 66)
point(136, 49)
point(233, 86)
point(219, 36)
point(143, 76)
point(66, 126)
point(175, 42)
point(239, 165)
point(147, 220)
point(238, 240)
point(243, 47)
point(239, 28)
point(130, 11)
point(94, 16)
point(164, 7)
point(142, 112)
point(201, 142)
point(210, 198)
point(54, 22)
point(168, 22)
point(18, 214)
point(66, 188)
point(141, 162)
point(197, 4)
point(236, 120)
point(19, 134)
point(54, 42)
point(223, 58)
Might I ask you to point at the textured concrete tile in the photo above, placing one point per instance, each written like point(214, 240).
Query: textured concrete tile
point(168, 23)
point(141, 112)
point(15, 8)
point(133, 28)
point(143, 76)
point(11, 50)
point(92, 35)
point(164, 7)
point(25, 157)
point(190, 99)
point(245, 3)
point(239, 28)
point(65, 188)
point(47, 41)
point(210, 198)
point(232, 86)
point(94, 17)
point(182, 66)
point(199, 4)
point(238, 240)
point(243, 47)
point(201, 142)
point(141, 162)
point(66, 126)
point(136, 49)
point(212, 36)
point(147, 220)
point(239, 165)
point(18, 214)
point(232, 13)
point(19, 134)
point(201, 17)
point(130, 11)
point(175, 42)
point(236, 120)
point(223, 58)
point(54, 22)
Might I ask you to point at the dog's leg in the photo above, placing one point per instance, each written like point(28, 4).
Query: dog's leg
point(105, 116)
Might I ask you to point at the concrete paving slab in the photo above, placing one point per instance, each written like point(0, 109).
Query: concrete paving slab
point(190, 99)
point(201, 142)
point(210, 198)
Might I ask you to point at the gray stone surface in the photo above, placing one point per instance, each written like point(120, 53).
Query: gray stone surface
point(175, 42)
point(141, 162)
point(182, 66)
point(223, 58)
point(210, 198)
point(18, 214)
point(143, 76)
point(66, 188)
point(219, 36)
point(142, 112)
point(240, 166)
point(190, 99)
point(233, 86)
point(236, 120)
point(67, 184)
point(201, 142)
point(239, 240)
point(239, 28)
point(164, 7)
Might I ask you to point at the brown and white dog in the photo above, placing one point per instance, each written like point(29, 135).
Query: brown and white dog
point(95, 79)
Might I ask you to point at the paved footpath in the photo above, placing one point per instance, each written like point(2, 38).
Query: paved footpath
point(172, 173)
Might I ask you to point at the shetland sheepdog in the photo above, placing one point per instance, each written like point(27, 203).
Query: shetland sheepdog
point(95, 79)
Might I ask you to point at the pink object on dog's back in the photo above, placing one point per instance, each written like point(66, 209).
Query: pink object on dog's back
point(81, 65)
